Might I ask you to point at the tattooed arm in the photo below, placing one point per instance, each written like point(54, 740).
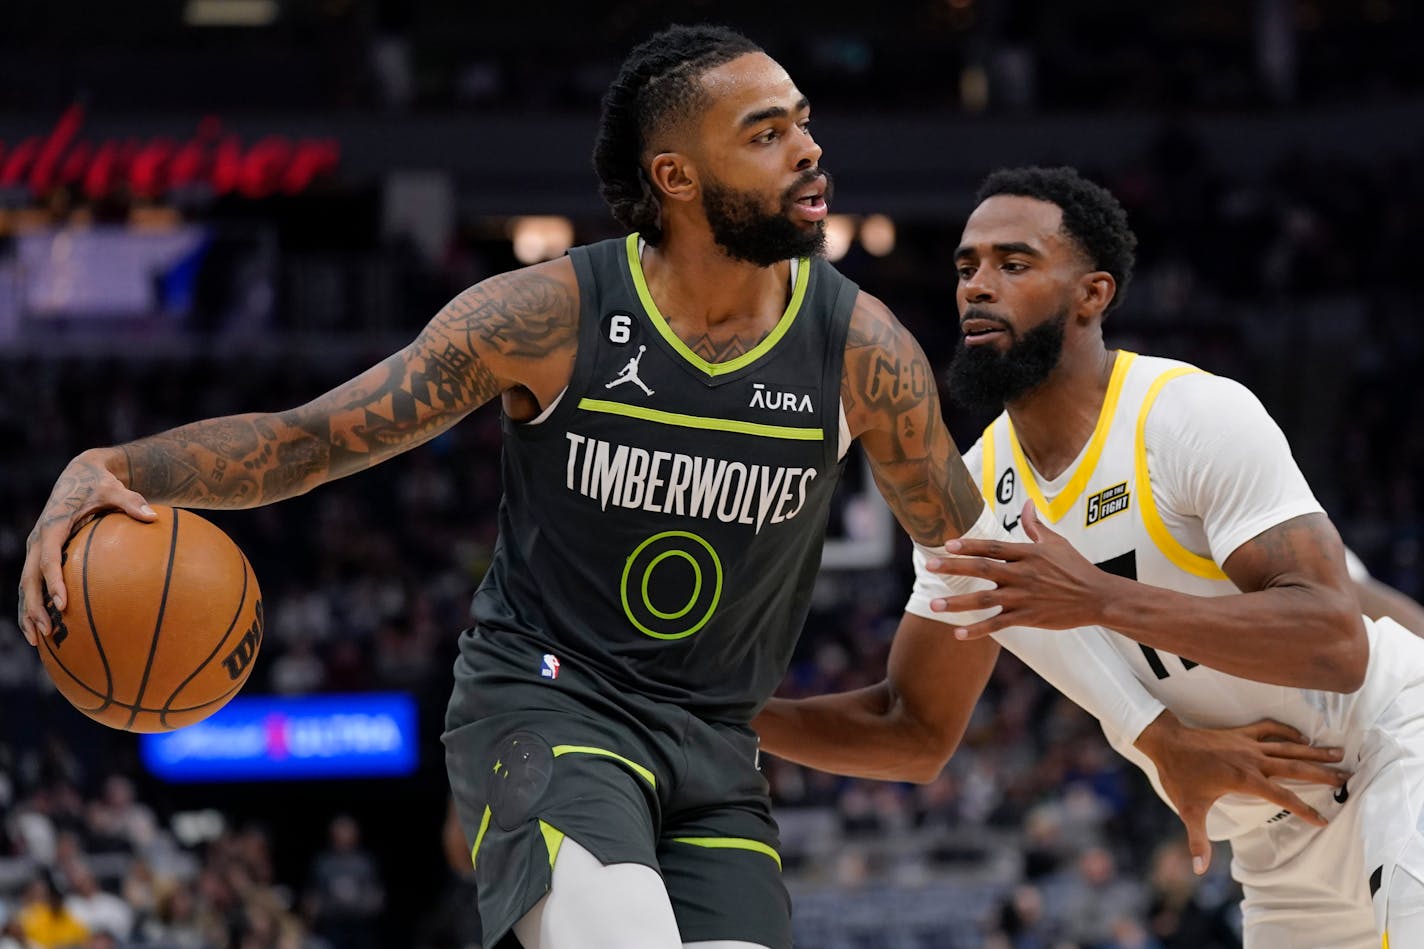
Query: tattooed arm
point(892, 406)
point(907, 725)
point(513, 331)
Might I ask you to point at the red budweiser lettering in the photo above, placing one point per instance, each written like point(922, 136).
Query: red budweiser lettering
point(212, 157)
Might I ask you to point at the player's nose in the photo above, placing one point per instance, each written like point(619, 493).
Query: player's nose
point(978, 287)
point(809, 154)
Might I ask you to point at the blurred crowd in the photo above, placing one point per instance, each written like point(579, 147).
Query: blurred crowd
point(1035, 837)
point(102, 871)
point(1010, 55)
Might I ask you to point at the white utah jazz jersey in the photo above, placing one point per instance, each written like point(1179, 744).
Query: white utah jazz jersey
point(1182, 468)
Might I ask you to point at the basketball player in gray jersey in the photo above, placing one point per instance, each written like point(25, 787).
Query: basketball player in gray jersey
point(677, 405)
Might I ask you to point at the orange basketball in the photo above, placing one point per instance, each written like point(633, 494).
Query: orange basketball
point(162, 623)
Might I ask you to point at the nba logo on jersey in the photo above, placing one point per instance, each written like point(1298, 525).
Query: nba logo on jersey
point(549, 669)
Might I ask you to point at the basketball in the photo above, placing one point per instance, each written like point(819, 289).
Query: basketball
point(162, 621)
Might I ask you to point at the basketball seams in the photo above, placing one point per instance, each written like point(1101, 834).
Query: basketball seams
point(138, 599)
point(59, 663)
point(107, 698)
point(179, 711)
point(158, 623)
point(89, 612)
point(162, 725)
point(110, 703)
point(236, 616)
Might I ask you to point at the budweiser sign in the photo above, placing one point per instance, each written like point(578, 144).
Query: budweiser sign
point(213, 158)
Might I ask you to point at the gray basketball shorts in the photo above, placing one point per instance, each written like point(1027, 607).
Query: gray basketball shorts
point(633, 781)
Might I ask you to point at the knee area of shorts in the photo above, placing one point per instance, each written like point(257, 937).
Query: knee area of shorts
point(522, 769)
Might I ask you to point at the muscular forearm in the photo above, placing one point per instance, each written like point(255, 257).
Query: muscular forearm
point(862, 734)
point(248, 460)
point(232, 462)
point(1304, 636)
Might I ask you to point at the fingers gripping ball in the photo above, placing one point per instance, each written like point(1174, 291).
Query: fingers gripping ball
point(162, 624)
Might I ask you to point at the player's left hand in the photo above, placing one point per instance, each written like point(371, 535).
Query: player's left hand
point(1197, 766)
point(1046, 584)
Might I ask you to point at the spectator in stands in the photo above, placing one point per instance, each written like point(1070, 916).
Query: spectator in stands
point(94, 907)
point(45, 920)
point(1090, 898)
point(1183, 910)
point(345, 895)
point(175, 923)
point(119, 817)
point(139, 889)
point(1021, 923)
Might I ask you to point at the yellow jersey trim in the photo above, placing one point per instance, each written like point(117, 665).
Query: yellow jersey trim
point(798, 294)
point(1074, 489)
point(1170, 547)
point(702, 421)
point(636, 768)
point(732, 843)
point(987, 465)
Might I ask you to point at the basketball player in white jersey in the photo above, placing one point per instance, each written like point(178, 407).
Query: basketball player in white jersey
point(1165, 507)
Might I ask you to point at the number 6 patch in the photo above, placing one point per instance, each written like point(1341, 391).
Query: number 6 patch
point(619, 328)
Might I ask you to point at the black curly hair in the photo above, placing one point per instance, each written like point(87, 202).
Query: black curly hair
point(1092, 217)
point(656, 88)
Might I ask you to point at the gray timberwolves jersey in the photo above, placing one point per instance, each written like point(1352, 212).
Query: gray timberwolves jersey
point(662, 523)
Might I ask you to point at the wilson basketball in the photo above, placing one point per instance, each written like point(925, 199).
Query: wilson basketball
point(162, 621)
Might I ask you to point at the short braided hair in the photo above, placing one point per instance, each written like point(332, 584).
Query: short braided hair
point(1092, 217)
point(656, 88)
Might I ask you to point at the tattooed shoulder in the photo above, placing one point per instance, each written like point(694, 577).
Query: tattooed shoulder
point(892, 405)
point(871, 323)
point(885, 370)
point(525, 314)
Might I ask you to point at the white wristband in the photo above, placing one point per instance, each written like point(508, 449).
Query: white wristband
point(1080, 663)
point(931, 586)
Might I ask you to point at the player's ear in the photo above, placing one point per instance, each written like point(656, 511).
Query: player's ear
point(1096, 290)
point(673, 176)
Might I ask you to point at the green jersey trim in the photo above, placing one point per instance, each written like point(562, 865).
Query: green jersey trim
point(642, 772)
point(798, 294)
point(731, 843)
point(553, 840)
point(702, 421)
point(479, 837)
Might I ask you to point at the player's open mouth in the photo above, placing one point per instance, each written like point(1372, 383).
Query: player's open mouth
point(812, 205)
point(980, 331)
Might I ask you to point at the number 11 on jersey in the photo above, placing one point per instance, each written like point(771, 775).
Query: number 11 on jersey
point(1125, 565)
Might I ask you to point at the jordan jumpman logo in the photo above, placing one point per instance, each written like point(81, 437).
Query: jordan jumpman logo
point(629, 373)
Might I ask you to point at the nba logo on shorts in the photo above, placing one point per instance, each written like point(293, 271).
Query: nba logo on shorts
point(549, 669)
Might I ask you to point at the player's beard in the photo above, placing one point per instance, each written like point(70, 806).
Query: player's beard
point(983, 378)
point(746, 232)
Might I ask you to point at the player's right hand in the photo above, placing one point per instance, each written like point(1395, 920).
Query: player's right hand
point(85, 487)
point(1198, 765)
